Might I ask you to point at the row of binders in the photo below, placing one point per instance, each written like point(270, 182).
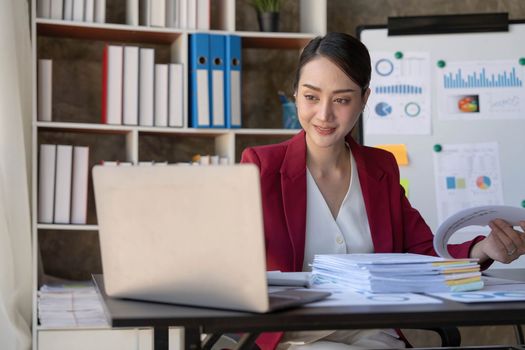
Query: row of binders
point(63, 184)
point(183, 14)
point(136, 91)
point(396, 273)
point(73, 10)
point(215, 81)
point(195, 160)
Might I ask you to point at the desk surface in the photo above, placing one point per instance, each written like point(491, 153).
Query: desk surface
point(128, 313)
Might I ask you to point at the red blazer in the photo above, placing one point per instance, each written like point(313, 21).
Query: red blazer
point(394, 225)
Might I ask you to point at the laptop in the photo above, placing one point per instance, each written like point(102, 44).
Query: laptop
point(190, 235)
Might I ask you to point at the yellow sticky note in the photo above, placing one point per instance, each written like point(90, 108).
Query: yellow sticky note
point(404, 182)
point(398, 150)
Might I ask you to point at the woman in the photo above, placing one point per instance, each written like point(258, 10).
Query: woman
point(323, 193)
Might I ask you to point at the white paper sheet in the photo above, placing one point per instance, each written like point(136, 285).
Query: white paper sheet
point(479, 216)
point(342, 297)
point(478, 90)
point(399, 102)
point(484, 296)
point(467, 175)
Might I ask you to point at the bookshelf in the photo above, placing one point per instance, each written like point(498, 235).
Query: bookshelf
point(76, 51)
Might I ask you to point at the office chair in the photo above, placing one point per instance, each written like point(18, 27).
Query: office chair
point(519, 334)
point(450, 337)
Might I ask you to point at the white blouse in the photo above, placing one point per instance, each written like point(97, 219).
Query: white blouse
point(348, 233)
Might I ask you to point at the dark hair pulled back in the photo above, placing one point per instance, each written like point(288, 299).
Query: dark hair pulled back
point(345, 51)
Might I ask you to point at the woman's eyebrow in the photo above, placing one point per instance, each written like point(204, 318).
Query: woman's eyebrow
point(344, 90)
point(312, 87)
point(335, 91)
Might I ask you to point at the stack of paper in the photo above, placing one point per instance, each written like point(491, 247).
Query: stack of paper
point(397, 273)
point(70, 305)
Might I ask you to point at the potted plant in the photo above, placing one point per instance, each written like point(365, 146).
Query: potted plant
point(267, 14)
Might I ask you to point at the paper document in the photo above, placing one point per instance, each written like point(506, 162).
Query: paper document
point(480, 216)
point(70, 305)
point(483, 296)
point(396, 273)
point(466, 175)
point(345, 297)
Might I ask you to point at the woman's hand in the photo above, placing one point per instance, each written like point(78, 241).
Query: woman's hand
point(503, 244)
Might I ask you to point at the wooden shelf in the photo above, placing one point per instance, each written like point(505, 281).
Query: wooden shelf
point(127, 33)
point(106, 31)
point(67, 227)
point(124, 129)
point(85, 127)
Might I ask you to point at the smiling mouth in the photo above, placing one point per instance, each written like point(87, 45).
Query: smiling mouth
point(324, 131)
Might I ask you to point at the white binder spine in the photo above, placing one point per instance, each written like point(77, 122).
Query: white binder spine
point(132, 12)
point(176, 96)
point(78, 10)
point(89, 11)
point(130, 84)
point(161, 95)
point(146, 87)
point(80, 185)
point(46, 183)
point(64, 160)
point(100, 11)
point(45, 90)
point(114, 85)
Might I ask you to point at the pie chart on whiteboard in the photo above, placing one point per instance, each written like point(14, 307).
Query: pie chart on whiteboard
point(483, 182)
point(383, 109)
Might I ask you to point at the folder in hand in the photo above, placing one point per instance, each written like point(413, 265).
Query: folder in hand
point(199, 71)
point(233, 81)
point(217, 84)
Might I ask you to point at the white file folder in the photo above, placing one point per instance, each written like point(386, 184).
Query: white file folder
point(161, 95)
point(146, 87)
point(63, 184)
point(46, 183)
point(45, 90)
point(130, 105)
point(175, 95)
point(79, 188)
point(112, 89)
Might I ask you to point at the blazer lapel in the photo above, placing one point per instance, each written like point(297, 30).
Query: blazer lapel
point(376, 197)
point(293, 180)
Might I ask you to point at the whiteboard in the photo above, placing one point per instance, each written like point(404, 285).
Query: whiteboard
point(508, 133)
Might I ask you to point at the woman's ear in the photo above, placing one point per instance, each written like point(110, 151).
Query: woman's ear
point(366, 94)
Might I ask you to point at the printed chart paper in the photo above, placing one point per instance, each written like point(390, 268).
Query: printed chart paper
point(478, 216)
point(483, 296)
point(399, 101)
point(479, 90)
point(466, 175)
point(343, 297)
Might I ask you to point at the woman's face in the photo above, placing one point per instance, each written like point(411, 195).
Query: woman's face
point(328, 102)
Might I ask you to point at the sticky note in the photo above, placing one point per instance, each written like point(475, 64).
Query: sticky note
point(405, 183)
point(398, 150)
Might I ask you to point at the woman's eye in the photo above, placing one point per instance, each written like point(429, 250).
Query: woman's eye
point(341, 100)
point(310, 97)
